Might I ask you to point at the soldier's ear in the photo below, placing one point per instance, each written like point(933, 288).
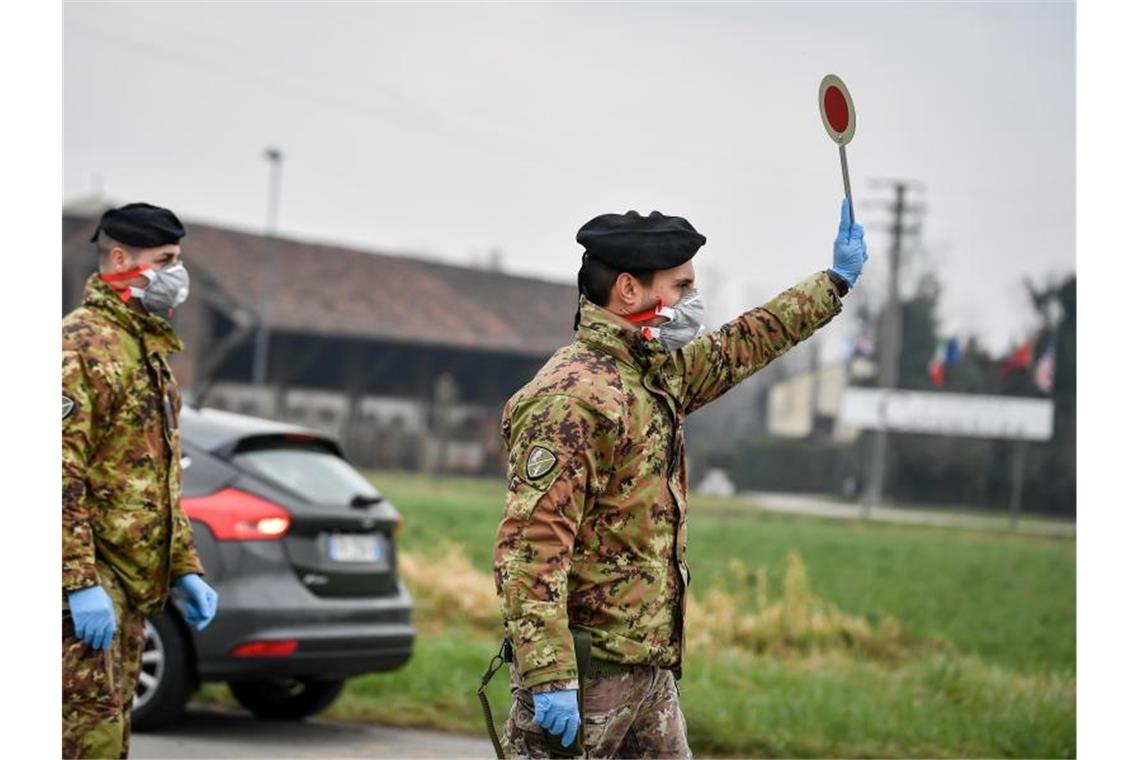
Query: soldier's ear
point(119, 259)
point(626, 293)
point(127, 258)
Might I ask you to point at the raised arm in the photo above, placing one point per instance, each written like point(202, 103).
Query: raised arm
point(710, 365)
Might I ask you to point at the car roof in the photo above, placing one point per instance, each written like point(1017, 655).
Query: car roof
point(214, 429)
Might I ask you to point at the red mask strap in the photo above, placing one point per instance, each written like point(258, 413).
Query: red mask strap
point(648, 314)
point(130, 274)
point(123, 291)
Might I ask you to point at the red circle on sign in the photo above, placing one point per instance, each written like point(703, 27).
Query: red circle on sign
point(835, 106)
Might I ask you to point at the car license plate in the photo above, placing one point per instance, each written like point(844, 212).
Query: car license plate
point(355, 547)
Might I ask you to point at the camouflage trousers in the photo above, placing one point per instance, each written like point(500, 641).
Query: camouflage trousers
point(636, 714)
point(98, 685)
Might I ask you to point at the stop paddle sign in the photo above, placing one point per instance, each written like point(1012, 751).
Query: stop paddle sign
point(838, 113)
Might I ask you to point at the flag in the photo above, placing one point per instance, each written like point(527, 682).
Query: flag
point(1043, 373)
point(945, 354)
point(936, 369)
point(952, 352)
point(1022, 358)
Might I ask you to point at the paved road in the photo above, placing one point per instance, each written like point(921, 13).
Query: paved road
point(212, 733)
point(806, 504)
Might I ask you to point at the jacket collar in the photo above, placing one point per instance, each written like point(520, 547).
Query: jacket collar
point(155, 332)
point(616, 336)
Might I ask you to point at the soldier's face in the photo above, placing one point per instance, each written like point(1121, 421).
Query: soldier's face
point(122, 260)
point(670, 285)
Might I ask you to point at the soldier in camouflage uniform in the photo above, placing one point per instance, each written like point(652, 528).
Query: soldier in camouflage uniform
point(594, 531)
point(125, 537)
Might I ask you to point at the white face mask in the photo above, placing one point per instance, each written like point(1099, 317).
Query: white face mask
point(686, 321)
point(168, 289)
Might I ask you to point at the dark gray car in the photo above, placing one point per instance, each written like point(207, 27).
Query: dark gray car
point(301, 550)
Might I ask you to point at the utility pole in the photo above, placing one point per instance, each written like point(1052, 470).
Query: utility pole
point(890, 330)
point(261, 343)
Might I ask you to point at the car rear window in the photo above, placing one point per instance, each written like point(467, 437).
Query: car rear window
point(314, 474)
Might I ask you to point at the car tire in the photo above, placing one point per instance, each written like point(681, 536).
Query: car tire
point(286, 698)
point(165, 679)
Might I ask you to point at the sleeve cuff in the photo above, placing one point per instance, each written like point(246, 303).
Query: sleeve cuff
point(178, 569)
point(551, 680)
point(77, 579)
point(839, 282)
point(559, 685)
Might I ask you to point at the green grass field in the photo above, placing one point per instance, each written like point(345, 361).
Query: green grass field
point(983, 661)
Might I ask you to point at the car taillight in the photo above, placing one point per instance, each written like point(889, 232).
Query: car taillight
point(281, 648)
point(233, 515)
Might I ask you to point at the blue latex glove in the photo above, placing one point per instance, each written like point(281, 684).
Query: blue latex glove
point(557, 712)
point(201, 600)
point(93, 615)
point(850, 251)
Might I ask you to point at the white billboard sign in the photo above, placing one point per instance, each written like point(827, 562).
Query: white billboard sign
point(959, 414)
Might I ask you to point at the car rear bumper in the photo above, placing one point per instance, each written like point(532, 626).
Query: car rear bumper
point(336, 638)
point(327, 651)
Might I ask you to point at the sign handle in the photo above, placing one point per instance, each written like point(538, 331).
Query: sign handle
point(846, 180)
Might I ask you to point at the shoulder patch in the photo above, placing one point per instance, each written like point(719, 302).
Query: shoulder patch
point(68, 405)
point(540, 461)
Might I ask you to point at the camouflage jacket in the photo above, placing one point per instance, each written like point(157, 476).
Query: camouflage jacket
point(593, 532)
point(122, 474)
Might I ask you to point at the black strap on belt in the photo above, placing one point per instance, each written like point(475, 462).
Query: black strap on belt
point(503, 655)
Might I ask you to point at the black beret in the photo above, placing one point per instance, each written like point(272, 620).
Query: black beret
point(631, 242)
point(141, 225)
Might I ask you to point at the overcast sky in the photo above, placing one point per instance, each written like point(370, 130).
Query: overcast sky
point(446, 131)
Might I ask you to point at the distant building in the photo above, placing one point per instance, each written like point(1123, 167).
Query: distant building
point(808, 404)
point(407, 361)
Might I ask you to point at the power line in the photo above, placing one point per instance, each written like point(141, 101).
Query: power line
point(403, 118)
